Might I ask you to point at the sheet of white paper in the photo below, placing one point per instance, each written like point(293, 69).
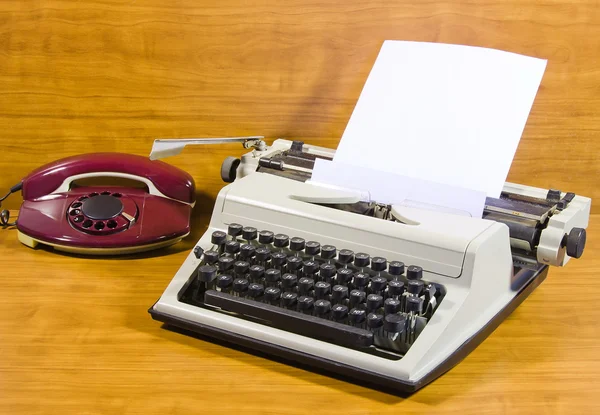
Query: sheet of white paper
point(396, 189)
point(444, 113)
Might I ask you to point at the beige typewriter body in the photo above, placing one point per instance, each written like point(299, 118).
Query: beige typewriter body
point(470, 257)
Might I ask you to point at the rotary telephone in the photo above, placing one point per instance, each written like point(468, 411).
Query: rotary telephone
point(104, 219)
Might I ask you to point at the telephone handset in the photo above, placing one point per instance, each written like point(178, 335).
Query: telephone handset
point(105, 219)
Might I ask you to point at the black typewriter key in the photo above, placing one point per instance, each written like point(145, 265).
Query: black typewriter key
point(357, 316)
point(414, 272)
point(338, 294)
point(374, 302)
point(289, 299)
point(265, 237)
point(249, 233)
point(396, 268)
point(327, 271)
point(240, 286)
point(272, 275)
point(322, 307)
point(232, 247)
point(394, 323)
point(378, 264)
point(415, 287)
point(262, 254)
point(234, 229)
point(224, 281)
point(391, 306)
point(272, 295)
point(289, 281)
point(322, 289)
point(395, 288)
point(225, 263)
point(218, 238)
point(374, 321)
point(241, 267)
point(207, 273)
point(305, 304)
point(346, 256)
point(247, 252)
point(328, 252)
point(281, 241)
point(256, 272)
point(339, 312)
point(294, 263)
point(198, 252)
point(357, 297)
point(361, 260)
point(414, 305)
point(255, 290)
point(310, 267)
point(344, 276)
point(360, 280)
point(378, 284)
point(305, 285)
point(297, 244)
point(312, 248)
point(278, 259)
point(210, 257)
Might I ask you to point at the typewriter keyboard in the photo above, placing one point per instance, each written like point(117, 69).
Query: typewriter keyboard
point(373, 304)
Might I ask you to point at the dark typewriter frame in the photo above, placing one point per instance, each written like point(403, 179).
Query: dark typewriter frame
point(534, 278)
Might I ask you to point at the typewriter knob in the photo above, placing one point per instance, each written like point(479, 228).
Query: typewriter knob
point(339, 312)
point(207, 273)
point(247, 251)
point(414, 272)
point(297, 244)
point(225, 263)
point(272, 275)
point(281, 241)
point(232, 247)
point(241, 267)
point(255, 290)
point(357, 316)
point(210, 257)
point(396, 268)
point(234, 229)
point(394, 323)
point(346, 256)
point(328, 251)
point(249, 233)
point(361, 260)
point(576, 242)
point(415, 287)
point(218, 238)
point(312, 248)
point(224, 281)
point(378, 264)
point(229, 169)
point(374, 321)
point(265, 237)
point(391, 306)
point(322, 307)
point(272, 294)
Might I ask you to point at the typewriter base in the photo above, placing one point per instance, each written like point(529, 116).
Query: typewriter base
point(358, 376)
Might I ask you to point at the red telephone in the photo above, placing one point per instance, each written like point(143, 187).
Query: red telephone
point(105, 219)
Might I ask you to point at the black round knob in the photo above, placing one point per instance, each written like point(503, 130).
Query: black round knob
point(357, 297)
point(305, 303)
point(322, 307)
point(234, 229)
point(361, 260)
point(312, 248)
point(357, 316)
point(218, 238)
point(394, 323)
point(247, 251)
point(305, 285)
point(294, 263)
point(414, 272)
point(280, 240)
point(265, 237)
point(272, 294)
point(322, 289)
point(391, 305)
point(327, 271)
point(328, 251)
point(102, 207)
point(288, 281)
point(339, 293)
point(346, 256)
point(310, 267)
point(272, 275)
point(232, 247)
point(339, 312)
point(344, 275)
point(395, 288)
point(576, 242)
point(415, 287)
point(396, 268)
point(229, 169)
point(361, 280)
point(240, 285)
point(374, 321)
point(289, 299)
point(249, 233)
point(241, 267)
point(210, 257)
point(224, 281)
point(374, 302)
point(207, 273)
point(414, 305)
point(378, 284)
point(278, 258)
point(378, 264)
point(256, 271)
point(255, 290)
point(297, 244)
point(225, 263)
point(262, 254)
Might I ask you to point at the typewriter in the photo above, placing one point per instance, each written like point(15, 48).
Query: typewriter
point(385, 296)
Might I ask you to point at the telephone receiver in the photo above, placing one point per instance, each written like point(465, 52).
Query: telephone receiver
point(105, 219)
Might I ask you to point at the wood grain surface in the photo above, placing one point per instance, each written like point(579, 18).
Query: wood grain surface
point(110, 75)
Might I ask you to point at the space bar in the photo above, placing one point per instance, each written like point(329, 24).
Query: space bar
point(292, 321)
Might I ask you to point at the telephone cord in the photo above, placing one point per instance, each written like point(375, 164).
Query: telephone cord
point(4, 213)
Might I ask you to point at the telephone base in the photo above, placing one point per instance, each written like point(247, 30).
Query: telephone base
point(33, 243)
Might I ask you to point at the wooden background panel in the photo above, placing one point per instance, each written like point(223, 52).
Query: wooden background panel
point(113, 75)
